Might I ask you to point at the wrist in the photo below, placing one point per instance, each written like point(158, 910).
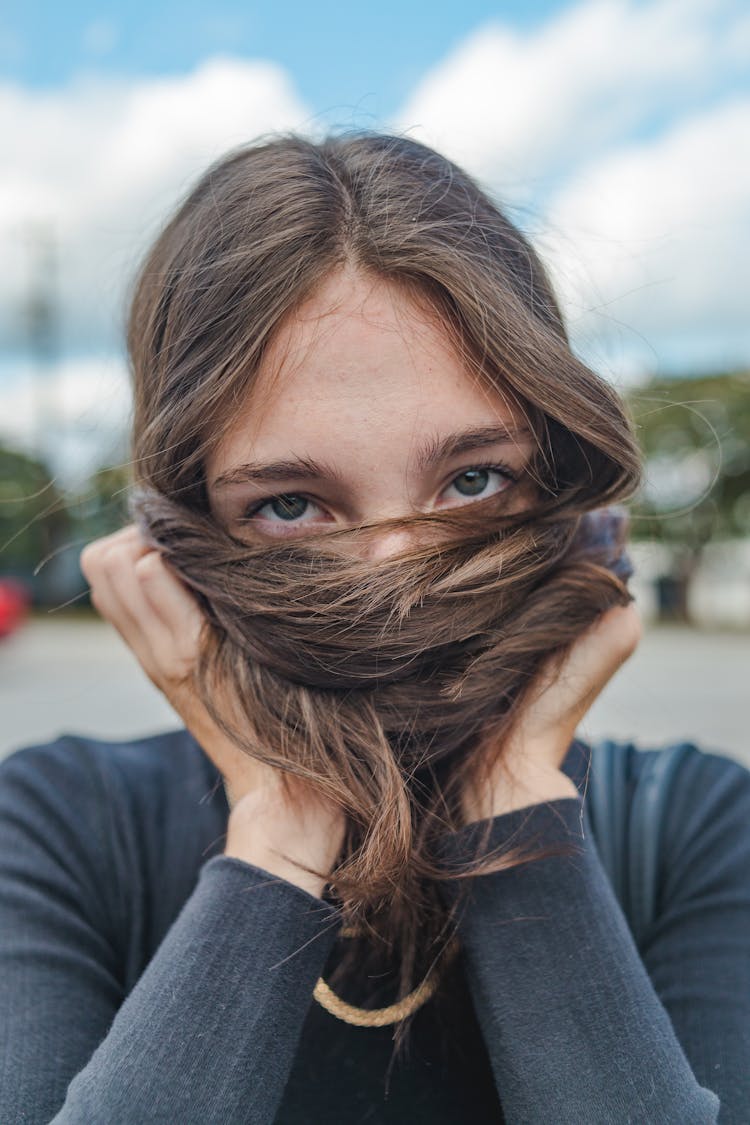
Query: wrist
point(265, 831)
point(533, 786)
point(250, 851)
point(539, 790)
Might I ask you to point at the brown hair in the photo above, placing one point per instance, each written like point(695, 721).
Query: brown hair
point(385, 685)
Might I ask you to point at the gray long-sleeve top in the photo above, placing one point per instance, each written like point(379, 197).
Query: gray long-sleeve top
point(146, 977)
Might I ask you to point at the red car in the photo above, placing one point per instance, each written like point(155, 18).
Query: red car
point(14, 605)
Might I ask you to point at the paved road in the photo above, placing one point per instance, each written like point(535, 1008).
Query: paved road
point(78, 676)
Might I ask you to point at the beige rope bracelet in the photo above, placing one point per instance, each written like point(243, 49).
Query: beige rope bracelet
point(381, 1017)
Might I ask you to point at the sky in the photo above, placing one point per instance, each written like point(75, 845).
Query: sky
point(615, 133)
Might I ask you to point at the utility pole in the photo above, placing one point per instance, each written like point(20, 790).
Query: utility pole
point(43, 327)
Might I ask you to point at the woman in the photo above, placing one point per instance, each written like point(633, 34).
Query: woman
point(375, 568)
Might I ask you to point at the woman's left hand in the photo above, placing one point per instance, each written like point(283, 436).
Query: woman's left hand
point(528, 770)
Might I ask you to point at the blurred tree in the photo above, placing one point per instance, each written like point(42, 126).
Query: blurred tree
point(42, 527)
point(96, 510)
point(34, 522)
point(695, 434)
point(101, 507)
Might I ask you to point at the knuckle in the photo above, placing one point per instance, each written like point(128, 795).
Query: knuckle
point(90, 557)
point(102, 606)
point(634, 631)
point(109, 558)
point(148, 566)
point(184, 659)
point(629, 631)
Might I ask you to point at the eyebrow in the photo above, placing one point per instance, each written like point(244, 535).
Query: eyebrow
point(430, 453)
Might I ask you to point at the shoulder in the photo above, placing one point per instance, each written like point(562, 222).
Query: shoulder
point(130, 822)
point(693, 800)
point(696, 777)
point(700, 786)
point(705, 817)
point(166, 766)
point(154, 782)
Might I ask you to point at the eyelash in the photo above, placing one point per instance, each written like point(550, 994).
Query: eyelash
point(499, 467)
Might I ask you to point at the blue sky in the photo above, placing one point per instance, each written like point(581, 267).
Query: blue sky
point(614, 131)
point(342, 55)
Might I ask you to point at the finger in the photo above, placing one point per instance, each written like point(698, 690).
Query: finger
point(94, 553)
point(105, 563)
point(172, 604)
point(569, 683)
point(117, 594)
point(159, 620)
point(98, 557)
point(136, 623)
point(127, 534)
point(168, 596)
point(606, 644)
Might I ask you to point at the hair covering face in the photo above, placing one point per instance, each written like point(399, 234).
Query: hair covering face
point(434, 643)
point(385, 686)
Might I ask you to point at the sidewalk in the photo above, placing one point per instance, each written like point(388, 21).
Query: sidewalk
point(79, 677)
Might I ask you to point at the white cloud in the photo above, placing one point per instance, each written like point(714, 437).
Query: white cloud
point(103, 161)
point(654, 238)
point(647, 239)
point(75, 414)
point(519, 108)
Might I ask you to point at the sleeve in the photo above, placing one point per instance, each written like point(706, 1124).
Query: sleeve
point(210, 1029)
point(698, 950)
point(574, 1025)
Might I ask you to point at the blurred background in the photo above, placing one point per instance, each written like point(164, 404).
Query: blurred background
point(614, 131)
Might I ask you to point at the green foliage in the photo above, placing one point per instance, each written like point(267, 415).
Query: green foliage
point(101, 507)
point(695, 434)
point(34, 519)
point(43, 529)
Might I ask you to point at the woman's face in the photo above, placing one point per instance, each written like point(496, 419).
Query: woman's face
point(362, 411)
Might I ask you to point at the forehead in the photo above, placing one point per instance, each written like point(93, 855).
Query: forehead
point(358, 357)
point(355, 331)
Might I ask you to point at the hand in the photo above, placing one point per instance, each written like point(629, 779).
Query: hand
point(161, 622)
point(528, 770)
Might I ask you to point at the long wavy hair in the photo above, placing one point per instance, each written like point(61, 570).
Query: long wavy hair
point(387, 686)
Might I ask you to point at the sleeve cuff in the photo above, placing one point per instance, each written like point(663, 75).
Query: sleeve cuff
point(534, 828)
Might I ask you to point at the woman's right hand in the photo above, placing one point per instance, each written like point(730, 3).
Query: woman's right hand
point(161, 622)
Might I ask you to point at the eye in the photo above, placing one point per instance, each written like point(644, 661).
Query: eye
point(290, 512)
point(287, 508)
point(475, 482)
